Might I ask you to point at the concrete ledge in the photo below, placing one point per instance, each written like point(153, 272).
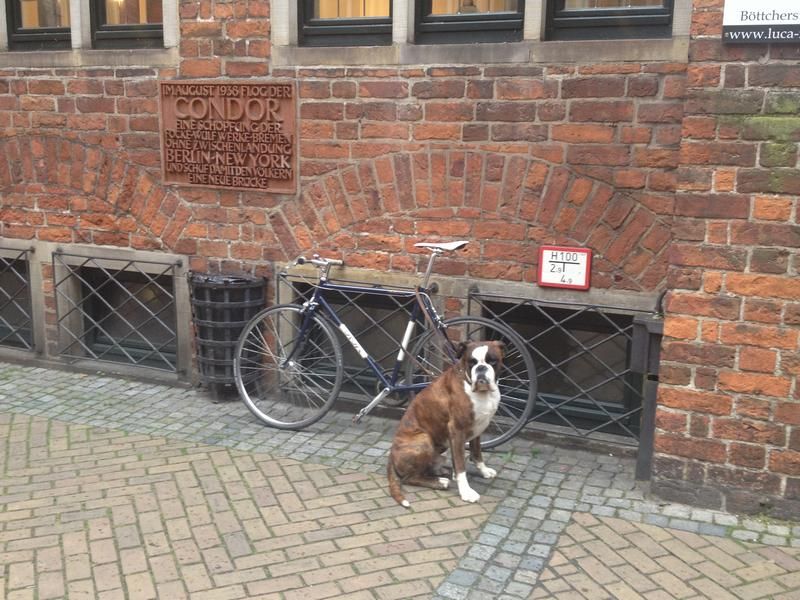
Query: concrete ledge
point(589, 52)
point(141, 57)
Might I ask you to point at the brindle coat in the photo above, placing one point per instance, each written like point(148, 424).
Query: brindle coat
point(439, 417)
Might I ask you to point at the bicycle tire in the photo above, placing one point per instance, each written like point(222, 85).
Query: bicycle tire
point(517, 377)
point(289, 395)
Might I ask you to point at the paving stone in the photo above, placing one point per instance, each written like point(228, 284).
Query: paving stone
point(176, 496)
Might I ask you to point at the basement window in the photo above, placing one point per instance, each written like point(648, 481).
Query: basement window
point(583, 354)
point(16, 323)
point(129, 317)
point(117, 310)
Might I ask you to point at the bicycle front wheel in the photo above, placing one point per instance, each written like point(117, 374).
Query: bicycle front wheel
point(288, 367)
point(517, 377)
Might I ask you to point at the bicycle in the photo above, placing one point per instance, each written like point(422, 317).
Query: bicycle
point(288, 363)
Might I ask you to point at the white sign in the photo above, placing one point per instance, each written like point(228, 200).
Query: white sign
point(565, 267)
point(761, 22)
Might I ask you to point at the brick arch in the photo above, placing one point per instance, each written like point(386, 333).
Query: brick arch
point(374, 211)
point(64, 190)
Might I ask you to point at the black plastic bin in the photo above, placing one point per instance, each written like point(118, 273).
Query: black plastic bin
point(221, 307)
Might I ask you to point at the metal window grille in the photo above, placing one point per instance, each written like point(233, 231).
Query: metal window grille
point(116, 310)
point(16, 322)
point(378, 322)
point(585, 355)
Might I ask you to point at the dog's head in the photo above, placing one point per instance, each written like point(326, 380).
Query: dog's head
point(481, 363)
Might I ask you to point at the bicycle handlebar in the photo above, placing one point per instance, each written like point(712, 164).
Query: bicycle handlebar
point(318, 261)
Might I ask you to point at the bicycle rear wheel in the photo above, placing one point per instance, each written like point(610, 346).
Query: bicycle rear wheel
point(517, 378)
point(288, 367)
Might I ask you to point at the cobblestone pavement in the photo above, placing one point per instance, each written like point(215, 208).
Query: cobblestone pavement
point(111, 488)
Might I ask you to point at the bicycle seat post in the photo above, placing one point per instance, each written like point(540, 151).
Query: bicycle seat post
point(429, 270)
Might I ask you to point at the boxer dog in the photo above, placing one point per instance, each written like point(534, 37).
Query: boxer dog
point(454, 409)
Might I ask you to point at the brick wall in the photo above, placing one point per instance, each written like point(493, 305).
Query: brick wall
point(729, 404)
point(512, 156)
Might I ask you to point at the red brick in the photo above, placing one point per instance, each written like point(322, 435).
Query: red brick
point(383, 89)
point(697, 449)
point(718, 153)
point(757, 359)
point(201, 67)
point(711, 257)
point(743, 430)
point(754, 408)
point(660, 112)
point(672, 422)
point(600, 111)
point(767, 286)
point(681, 328)
point(751, 383)
point(713, 206)
point(785, 461)
point(695, 401)
point(607, 154)
point(699, 425)
point(720, 307)
point(772, 208)
point(763, 311)
point(525, 89)
point(747, 455)
point(759, 335)
point(583, 133)
point(593, 87)
point(448, 111)
point(788, 413)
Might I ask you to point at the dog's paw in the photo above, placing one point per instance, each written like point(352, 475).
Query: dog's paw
point(444, 482)
point(470, 495)
point(487, 472)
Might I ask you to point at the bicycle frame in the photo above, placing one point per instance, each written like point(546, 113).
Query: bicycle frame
point(423, 308)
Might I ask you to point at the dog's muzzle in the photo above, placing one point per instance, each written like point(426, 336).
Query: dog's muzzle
point(482, 382)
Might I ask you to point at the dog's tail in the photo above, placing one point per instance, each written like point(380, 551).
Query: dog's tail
point(394, 485)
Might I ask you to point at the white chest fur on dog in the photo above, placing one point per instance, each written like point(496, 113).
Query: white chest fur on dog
point(484, 405)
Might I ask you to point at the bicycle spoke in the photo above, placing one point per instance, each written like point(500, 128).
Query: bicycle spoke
point(288, 380)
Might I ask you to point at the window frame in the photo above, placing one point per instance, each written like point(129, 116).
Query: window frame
point(39, 38)
point(469, 27)
point(366, 31)
point(162, 38)
point(608, 23)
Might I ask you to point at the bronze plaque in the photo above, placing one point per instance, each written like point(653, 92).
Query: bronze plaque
point(236, 135)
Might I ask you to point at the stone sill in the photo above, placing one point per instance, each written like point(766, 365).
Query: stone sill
point(141, 57)
point(583, 52)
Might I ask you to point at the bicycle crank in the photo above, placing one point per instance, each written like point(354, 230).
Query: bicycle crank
point(375, 401)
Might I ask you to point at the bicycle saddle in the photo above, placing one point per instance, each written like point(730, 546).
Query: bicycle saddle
point(443, 246)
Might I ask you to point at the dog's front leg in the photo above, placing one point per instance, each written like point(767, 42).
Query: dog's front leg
point(457, 443)
point(477, 459)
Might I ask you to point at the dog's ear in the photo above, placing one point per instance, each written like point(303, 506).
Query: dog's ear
point(501, 346)
point(460, 349)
